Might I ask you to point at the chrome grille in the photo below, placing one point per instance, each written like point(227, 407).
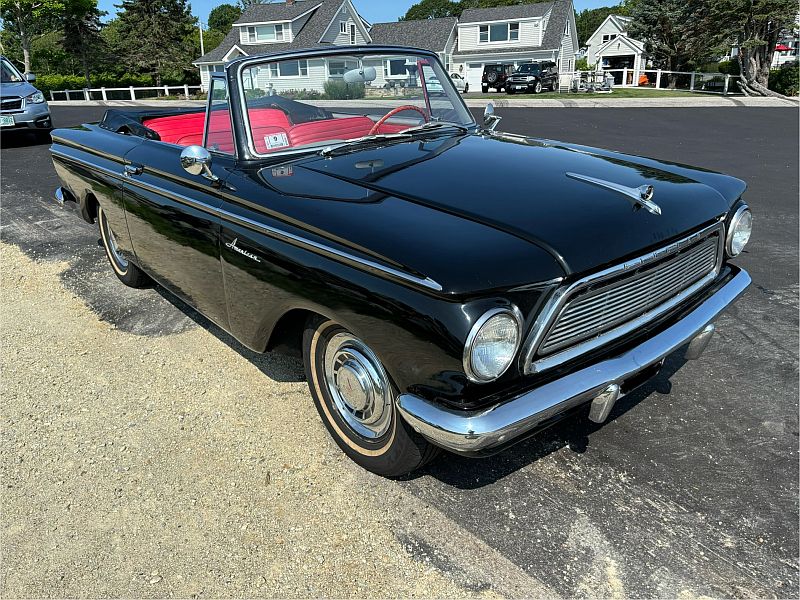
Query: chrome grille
point(591, 311)
point(10, 103)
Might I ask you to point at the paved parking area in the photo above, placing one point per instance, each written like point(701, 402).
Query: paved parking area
point(690, 489)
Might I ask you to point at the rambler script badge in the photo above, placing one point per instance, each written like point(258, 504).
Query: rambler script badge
point(641, 196)
point(232, 245)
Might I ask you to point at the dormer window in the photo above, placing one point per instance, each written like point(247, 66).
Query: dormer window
point(265, 33)
point(608, 37)
point(500, 32)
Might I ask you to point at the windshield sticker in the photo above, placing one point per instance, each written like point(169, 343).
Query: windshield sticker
point(276, 140)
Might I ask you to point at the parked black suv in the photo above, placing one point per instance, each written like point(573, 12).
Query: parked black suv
point(494, 76)
point(533, 77)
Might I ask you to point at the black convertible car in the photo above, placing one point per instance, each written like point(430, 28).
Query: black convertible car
point(330, 202)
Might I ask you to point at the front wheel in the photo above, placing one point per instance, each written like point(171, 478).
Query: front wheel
point(537, 89)
point(510, 91)
point(356, 401)
point(466, 89)
point(126, 271)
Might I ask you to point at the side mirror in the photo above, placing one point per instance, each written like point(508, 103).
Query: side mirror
point(30, 77)
point(196, 160)
point(490, 120)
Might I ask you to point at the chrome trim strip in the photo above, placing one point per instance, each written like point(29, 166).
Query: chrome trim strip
point(549, 314)
point(481, 430)
point(641, 196)
point(345, 257)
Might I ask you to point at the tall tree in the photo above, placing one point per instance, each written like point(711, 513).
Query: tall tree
point(431, 9)
point(152, 36)
point(673, 32)
point(25, 20)
point(755, 26)
point(222, 17)
point(81, 33)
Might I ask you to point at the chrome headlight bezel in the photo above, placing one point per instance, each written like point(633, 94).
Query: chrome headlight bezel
point(734, 223)
point(36, 97)
point(514, 313)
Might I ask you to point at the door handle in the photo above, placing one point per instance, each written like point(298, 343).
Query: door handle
point(131, 170)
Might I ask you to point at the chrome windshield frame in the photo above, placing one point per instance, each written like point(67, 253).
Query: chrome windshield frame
point(235, 72)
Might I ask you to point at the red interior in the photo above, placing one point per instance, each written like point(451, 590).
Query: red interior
point(187, 130)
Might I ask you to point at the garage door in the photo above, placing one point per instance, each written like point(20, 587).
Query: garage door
point(474, 75)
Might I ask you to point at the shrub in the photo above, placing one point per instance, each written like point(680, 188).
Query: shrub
point(785, 80)
point(582, 64)
point(48, 83)
point(302, 94)
point(254, 93)
point(729, 67)
point(339, 90)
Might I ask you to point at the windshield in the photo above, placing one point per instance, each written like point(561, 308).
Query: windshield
point(529, 69)
point(8, 74)
point(334, 99)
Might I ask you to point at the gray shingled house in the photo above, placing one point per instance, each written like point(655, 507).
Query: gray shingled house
point(514, 35)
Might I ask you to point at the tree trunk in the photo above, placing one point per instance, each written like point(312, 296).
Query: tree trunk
point(24, 41)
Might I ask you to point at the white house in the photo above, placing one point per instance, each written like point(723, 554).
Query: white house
point(610, 47)
point(515, 35)
point(293, 24)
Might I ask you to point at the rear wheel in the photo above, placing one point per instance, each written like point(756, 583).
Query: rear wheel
point(126, 271)
point(356, 401)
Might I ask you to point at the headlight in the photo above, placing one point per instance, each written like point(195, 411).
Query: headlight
point(739, 231)
point(35, 98)
point(531, 78)
point(492, 344)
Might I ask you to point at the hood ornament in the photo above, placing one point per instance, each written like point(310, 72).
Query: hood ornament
point(641, 196)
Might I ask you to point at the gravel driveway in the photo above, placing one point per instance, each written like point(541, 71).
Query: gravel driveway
point(132, 467)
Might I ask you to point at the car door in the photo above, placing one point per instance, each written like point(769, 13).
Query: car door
point(173, 220)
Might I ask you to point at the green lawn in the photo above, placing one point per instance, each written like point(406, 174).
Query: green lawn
point(617, 93)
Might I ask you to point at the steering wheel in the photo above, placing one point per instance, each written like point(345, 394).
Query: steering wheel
point(393, 112)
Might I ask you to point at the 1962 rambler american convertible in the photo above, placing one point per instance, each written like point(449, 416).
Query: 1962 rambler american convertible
point(331, 202)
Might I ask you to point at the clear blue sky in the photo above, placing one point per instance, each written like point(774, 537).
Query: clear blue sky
point(375, 11)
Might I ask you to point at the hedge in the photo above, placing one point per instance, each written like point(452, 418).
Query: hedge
point(785, 80)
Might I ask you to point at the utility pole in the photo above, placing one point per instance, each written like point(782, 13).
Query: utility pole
point(202, 48)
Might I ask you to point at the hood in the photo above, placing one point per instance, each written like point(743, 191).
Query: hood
point(520, 186)
point(16, 88)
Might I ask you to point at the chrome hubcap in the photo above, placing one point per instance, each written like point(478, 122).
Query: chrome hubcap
point(358, 385)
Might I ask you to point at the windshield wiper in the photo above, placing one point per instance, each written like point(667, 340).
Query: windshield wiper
point(364, 141)
point(433, 125)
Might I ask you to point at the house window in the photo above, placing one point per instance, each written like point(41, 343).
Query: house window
point(289, 68)
point(353, 39)
point(337, 68)
point(608, 37)
point(395, 68)
point(502, 32)
point(265, 33)
point(342, 26)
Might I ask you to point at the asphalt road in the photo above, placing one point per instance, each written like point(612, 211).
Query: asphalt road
point(691, 488)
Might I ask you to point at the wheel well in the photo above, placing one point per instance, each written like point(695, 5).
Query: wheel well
point(90, 205)
point(287, 335)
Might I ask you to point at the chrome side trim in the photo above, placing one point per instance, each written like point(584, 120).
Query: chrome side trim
point(363, 264)
point(553, 308)
point(482, 430)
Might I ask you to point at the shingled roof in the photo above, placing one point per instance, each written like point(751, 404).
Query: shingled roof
point(309, 36)
point(501, 13)
point(428, 34)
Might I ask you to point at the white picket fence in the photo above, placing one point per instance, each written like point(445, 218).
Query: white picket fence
point(658, 79)
point(124, 93)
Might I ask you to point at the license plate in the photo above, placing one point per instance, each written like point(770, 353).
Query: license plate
point(6, 121)
point(521, 87)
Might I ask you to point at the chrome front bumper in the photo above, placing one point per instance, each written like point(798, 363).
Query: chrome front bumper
point(477, 432)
